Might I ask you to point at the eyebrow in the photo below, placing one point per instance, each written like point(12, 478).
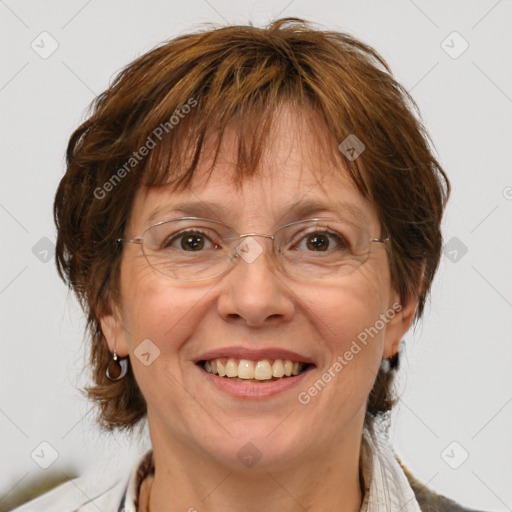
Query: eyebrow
point(299, 210)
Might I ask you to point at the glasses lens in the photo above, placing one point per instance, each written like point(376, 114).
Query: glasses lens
point(198, 249)
point(322, 248)
point(188, 249)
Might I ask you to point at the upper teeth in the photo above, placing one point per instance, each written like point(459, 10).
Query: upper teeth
point(247, 369)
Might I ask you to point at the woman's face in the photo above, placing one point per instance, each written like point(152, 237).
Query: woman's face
point(341, 326)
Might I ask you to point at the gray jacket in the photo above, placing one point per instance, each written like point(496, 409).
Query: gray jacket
point(429, 501)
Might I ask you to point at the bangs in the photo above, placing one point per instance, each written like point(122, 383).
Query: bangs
point(189, 132)
point(198, 140)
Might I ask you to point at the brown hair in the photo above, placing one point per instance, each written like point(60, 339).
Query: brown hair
point(190, 89)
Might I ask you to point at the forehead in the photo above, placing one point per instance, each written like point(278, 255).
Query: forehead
point(298, 176)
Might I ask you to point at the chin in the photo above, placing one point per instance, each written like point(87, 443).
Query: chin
point(258, 452)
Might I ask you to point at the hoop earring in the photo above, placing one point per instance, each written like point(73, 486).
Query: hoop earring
point(117, 367)
point(394, 361)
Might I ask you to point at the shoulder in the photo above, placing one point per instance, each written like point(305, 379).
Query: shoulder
point(429, 501)
point(107, 491)
point(85, 494)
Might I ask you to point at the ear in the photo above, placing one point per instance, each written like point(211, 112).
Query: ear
point(112, 329)
point(399, 323)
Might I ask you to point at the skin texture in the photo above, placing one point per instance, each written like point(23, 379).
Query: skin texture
point(310, 453)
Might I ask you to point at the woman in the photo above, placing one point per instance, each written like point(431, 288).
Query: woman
point(251, 221)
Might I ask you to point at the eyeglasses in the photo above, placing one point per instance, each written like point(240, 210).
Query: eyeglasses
point(195, 249)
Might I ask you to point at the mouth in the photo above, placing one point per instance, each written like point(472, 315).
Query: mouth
point(250, 373)
point(256, 371)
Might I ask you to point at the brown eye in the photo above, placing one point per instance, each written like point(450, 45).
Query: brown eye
point(190, 241)
point(317, 242)
point(322, 241)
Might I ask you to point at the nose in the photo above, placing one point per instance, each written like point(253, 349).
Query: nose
point(254, 291)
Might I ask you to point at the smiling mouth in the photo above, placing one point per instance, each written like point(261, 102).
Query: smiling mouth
point(265, 370)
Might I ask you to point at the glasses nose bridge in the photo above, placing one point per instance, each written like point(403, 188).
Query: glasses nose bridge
point(246, 251)
point(251, 235)
point(245, 235)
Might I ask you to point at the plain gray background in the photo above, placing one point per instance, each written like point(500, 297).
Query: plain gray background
point(456, 393)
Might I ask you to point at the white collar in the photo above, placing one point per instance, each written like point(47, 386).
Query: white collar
point(389, 486)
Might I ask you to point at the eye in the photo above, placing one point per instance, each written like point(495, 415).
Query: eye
point(191, 241)
point(322, 241)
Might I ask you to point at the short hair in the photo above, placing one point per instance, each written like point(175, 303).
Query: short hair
point(189, 90)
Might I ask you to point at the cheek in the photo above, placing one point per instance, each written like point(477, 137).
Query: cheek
point(156, 309)
point(348, 321)
point(342, 311)
point(159, 319)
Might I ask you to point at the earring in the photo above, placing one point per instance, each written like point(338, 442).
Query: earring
point(394, 361)
point(117, 367)
point(390, 363)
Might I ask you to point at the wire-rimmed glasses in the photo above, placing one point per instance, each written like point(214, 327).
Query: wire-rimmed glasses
point(196, 249)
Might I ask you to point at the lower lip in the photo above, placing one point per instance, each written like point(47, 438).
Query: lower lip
point(249, 389)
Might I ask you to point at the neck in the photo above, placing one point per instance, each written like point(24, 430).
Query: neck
point(186, 480)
